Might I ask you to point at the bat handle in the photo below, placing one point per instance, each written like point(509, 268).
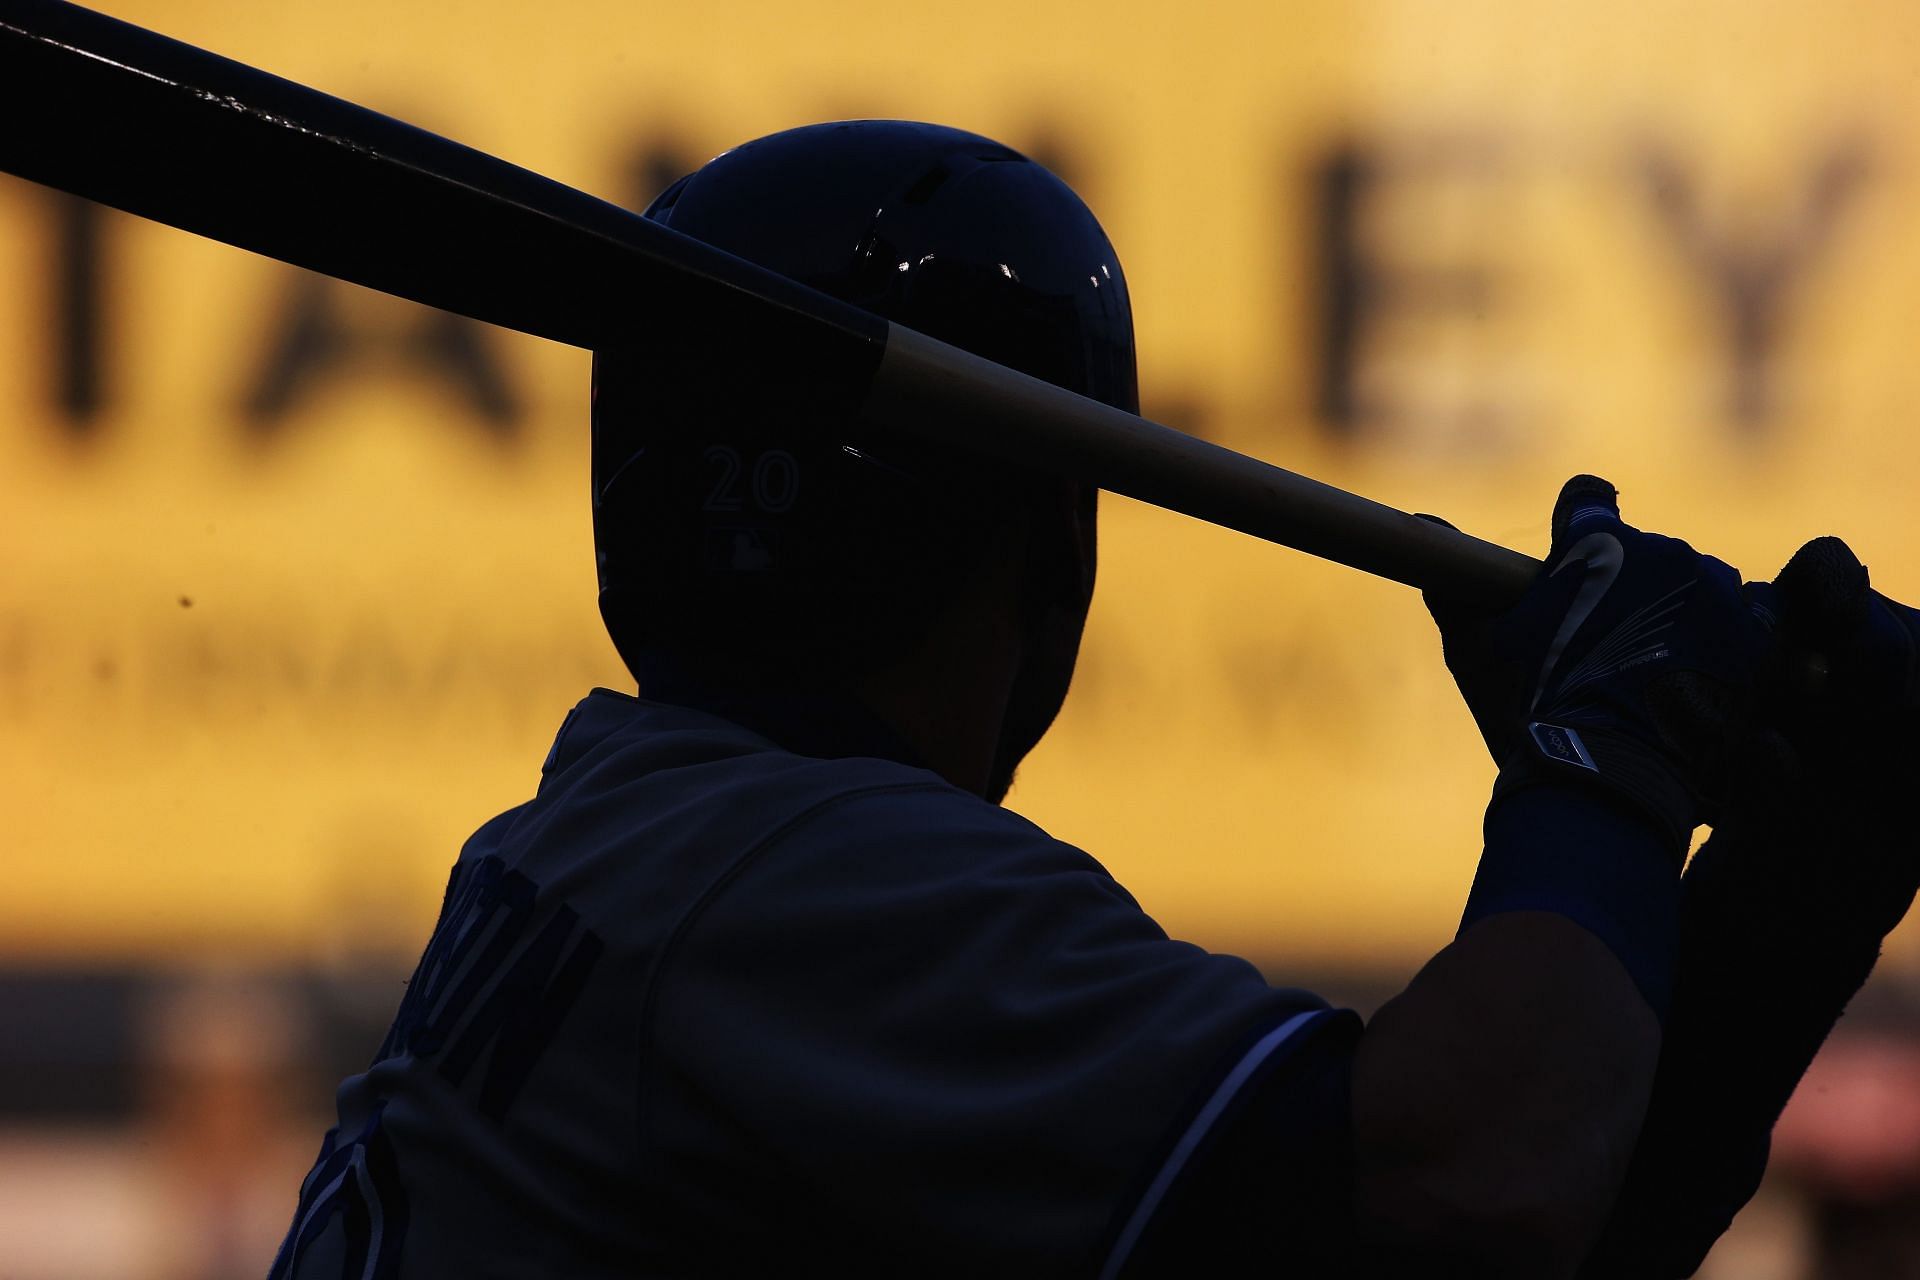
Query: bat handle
point(931, 391)
point(940, 394)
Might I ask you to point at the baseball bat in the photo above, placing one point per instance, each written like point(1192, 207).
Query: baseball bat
point(118, 114)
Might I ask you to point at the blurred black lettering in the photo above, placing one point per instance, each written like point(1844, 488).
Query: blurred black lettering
point(1752, 271)
point(315, 338)
point(80, 388)
point(1359, 285)
point(657, 164)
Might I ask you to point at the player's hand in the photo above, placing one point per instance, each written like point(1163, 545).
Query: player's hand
point(1627, 665)
point(1840, 828)
point(1782, 911)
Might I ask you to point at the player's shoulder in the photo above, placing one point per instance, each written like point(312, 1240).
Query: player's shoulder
point(612, 732)
point(843, 807)
point(686, 758)
point(729, 819)
point(893, 843)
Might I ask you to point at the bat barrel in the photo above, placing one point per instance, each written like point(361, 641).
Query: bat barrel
point(118, 114)
point(123, 116)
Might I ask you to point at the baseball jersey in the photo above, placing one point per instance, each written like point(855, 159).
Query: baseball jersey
point(712, 1004)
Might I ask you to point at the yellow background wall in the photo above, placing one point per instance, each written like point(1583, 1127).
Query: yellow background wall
point(261, 673)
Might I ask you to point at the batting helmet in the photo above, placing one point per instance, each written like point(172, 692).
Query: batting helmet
point(728, 507)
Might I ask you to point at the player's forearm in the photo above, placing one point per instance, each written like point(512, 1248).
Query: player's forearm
point(1758, 985)
point(1497, 1100)
point(1768, 958)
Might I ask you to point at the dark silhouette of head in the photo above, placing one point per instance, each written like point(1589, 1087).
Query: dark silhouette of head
point(750, 526)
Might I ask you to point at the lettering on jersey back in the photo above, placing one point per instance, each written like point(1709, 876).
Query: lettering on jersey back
point(486, 992)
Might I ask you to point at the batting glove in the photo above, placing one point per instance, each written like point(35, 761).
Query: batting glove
point(1835, 823)
point(1625, 666)
point(1782, 912)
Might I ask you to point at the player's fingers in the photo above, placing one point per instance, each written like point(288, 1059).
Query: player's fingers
point(1763, 602)
point(1453, 616)
point(1582, 498)
point(1823, 594)
point(1708, 723)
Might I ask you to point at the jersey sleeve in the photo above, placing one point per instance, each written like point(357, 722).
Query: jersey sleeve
point(940, 1041)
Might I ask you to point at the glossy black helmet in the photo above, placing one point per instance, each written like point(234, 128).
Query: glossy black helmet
point(725, 506)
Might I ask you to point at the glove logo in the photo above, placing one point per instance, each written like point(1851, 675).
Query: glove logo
point(1603, 557)
point(1564, 745)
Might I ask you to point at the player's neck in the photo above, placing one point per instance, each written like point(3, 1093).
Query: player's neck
point(948, 702)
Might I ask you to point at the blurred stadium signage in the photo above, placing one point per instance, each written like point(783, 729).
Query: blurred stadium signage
point(297, 580)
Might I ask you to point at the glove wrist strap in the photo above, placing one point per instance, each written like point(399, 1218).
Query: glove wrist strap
point(1612, 763)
